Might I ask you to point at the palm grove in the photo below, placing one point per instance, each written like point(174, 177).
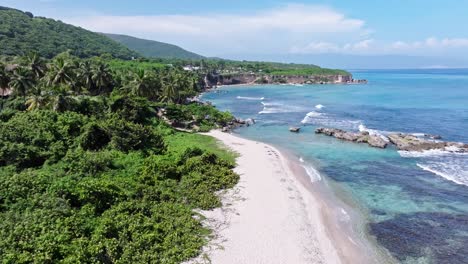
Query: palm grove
point(90, 173)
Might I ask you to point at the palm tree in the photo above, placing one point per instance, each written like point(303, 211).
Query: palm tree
point(36, 64)
point(4, 80)
point(170, 91)
point(85, 75)
point(60, 72)
point(144, 84)
point(102, 78)
point(21, 81)
point(60, 98)
point(37, 100)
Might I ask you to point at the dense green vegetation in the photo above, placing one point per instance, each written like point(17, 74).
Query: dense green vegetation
point(228, 67)
point(154, 49)
point(90, 173)
point(21, 33)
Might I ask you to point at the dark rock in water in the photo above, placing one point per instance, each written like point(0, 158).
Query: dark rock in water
point(377, 142)
point(358, 137)
point(433, 136)
point(406, 142)
point(295, 129)
point(413, 143)
point(250, 121)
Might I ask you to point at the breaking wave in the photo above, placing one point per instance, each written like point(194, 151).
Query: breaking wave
point(319, 106)
point(276, 107)
point(251, 98)
point(444, 163)
point(374, 132)
point(314, 175)
point(323, 119)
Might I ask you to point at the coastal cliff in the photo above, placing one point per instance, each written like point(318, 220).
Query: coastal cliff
point(247, 78)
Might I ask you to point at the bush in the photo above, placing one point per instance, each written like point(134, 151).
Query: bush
point(94, 137)
point(127, 136)
point(133, 109)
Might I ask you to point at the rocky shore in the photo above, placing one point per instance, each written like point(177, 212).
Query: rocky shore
point(405, 142)
point(252, 78)
point(358, 137)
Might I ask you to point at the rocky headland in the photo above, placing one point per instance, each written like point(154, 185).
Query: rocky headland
point(405, 142)
point(246, 78)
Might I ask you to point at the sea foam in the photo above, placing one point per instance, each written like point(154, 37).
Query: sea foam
point(277, 107)
point(251, 98)
point(319, 106)
point(314, 175)
point(447, 164)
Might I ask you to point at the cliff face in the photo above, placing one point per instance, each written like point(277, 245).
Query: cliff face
point(215, 80)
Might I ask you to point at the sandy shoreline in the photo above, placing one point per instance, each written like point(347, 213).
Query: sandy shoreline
point(272, 216)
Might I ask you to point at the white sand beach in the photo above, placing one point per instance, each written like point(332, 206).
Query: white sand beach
point(270, 217)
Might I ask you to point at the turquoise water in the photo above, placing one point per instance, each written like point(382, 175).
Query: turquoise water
point(417, 203)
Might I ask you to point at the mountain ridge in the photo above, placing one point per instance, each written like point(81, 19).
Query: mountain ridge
point(152, 48)
point(22, 32)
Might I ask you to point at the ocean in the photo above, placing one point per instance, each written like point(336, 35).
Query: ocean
point(415, 205)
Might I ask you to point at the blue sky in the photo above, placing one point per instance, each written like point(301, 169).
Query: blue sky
point(238, 29)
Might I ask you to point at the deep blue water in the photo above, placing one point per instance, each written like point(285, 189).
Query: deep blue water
point(417, 202)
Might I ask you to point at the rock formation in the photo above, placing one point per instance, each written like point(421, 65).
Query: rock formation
point(251, 78)
point(406, 142)
point(413, 143)
point(358, 137)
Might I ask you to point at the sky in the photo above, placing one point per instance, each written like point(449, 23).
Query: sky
point(429, 33)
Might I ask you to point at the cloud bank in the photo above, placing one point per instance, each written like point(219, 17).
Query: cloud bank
point(289, 29)
point(268, 31)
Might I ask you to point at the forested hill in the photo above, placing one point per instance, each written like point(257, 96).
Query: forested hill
point(154, 49)
point(21, 32)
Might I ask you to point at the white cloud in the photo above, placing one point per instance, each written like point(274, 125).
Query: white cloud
point(268, 31)
point(291, 18)
point(293, 28)
point(431, 43)
point(362, 46)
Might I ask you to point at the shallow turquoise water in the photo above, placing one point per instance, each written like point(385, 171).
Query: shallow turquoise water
point(417, 203)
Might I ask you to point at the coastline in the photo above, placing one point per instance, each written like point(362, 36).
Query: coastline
point(276, 214)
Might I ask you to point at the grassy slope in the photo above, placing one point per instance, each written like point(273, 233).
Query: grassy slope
point(20, 34)
point(210, 144)
point(154, 49)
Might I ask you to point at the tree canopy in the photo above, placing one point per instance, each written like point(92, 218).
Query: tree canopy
point(21, 33)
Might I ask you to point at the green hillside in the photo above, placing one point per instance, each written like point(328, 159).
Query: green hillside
point(21, 33)
point(154, 49)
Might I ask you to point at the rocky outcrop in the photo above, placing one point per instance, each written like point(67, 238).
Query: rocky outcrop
point(237, 122)
point(405, 142)
point(358, 137)
point(251, 78)
point(413, 143)
point(295, 129)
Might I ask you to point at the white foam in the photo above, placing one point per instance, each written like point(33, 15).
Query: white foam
point(323, 119)
point(374, 132)
point(446, 163)
point(251, 98)
point(314, 175)
point(432, 153)
point(319, 106)
point(345, 216)
point(277, 107)
point(452, 171)
point(301, 160)
point(310, 116)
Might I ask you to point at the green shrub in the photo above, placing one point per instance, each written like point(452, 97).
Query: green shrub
point(94, 137)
